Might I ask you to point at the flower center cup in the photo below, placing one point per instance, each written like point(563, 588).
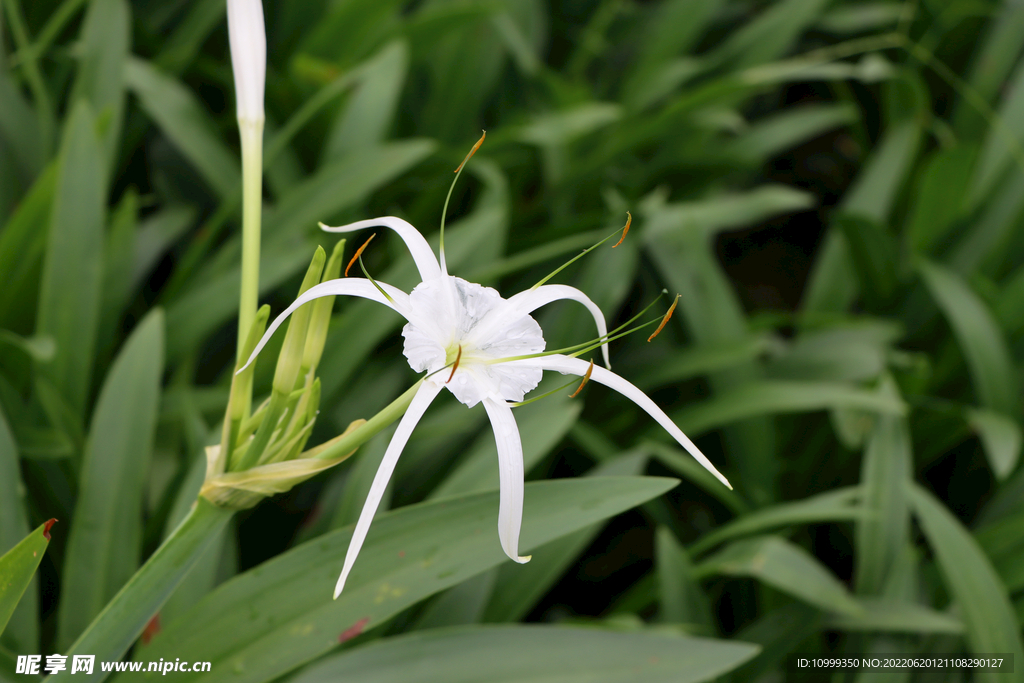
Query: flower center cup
point(449, 312)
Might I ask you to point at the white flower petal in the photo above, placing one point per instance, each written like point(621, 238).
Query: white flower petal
point(576, 366)
point(248, 40)
point(420, 402)
point(343, 287)
point(421, 252)
point(510, 476)
point(530, 300)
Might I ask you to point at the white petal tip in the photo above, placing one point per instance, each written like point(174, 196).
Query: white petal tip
point(323, 226)
point(339, 587)
point(523, 559)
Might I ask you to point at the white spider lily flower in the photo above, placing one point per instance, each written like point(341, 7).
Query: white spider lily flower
point(457, 324)
point(248, 40)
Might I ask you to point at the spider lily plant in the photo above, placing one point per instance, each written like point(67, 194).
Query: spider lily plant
point(481, 347)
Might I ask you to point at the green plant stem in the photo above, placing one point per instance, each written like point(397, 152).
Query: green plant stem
point(115, 629)
point(252, 208)
point(347, 443)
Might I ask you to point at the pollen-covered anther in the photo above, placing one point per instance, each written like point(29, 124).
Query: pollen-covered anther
point(455, 365)
point(479, 142)
point(586, 378)
point(664, 321)
point(625, 230)
point(359, 252)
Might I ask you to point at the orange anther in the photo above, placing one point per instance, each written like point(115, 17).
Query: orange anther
point(359, 251)
point(625, 230)
point(664, 321)
point(455, 367)
point(472, 151)
point(586, 378)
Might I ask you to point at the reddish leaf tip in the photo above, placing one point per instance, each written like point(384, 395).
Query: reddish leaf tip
point(49, 525)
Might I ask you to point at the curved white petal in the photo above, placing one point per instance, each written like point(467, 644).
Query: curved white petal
point(343, 287)
point(421, 252)
point(530, 300)
point(248, 41)
point(576, 366)
point(510, 476)
point(420, 402)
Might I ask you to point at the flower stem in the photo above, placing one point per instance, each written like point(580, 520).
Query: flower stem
point(252, 207)
point(115, 629)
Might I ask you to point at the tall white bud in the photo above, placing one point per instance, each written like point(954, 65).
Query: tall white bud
point(248, 56)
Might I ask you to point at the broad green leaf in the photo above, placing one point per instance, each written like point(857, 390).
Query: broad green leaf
point(682, 598)
point(278, 616)
point(833, 506)
point(504, 654)
point(22, 633)
point(886, 615)
point(983, 603)
point(368, 114)
point(462, 604)
point(1000, 437)
point(771, 397)
point(18, 566)
point(784, 130)
point(980, 339)
point(184, 121)
point(105, 541)
point(70, 291)
point(117, 267)
point(104, 45)
point(874, 254)
point(520, 587)
point(722, 212)
point(22, 245)
point(771, 34)
point(562, 127)
point(939, 197)
point(997, 149)
point(694, 361)
point(542, 425)
point(886, 468)
point(784, 566)
point(831, 286)
point(840, 353)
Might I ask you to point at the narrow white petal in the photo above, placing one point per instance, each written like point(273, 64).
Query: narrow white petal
point(345, 287)
point(248, 40)
point(420, 402)
point(576, 366)
point(530, 300)
point(510, 475)
point(421, 252)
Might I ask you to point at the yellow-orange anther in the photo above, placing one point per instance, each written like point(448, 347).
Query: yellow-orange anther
point(455, 366)
point(472, 151)
point(359, 252)
point(625, 230)
point(664, 321)
point(586, 378)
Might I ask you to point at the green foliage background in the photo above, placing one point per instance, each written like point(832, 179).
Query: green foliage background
point(870, 422)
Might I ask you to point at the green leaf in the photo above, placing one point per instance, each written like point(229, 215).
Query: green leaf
point(885, 471)
point(562, 127)
point(786, 567)
point(370, 109)
point(889, 616)
point(70, 291)
point(183, 120)
point(833, 506)
point(771, 34)
point(874, 254)
point(993, 61)
point(278, 616)
point(864, 16)
point(19, 128)
point(1000, 437)
point(980, 339)
point(504, 654)
point(984, 606)
point(726, 211)
point(772, 397)
point(180, 48)
point(105, 541)
point(786, 129)
point(681, 462)
point(939, 197)
point(519, 587)
point(22, 633)
point(104, 45)
point(840, 353)
point(1003, 544)
point(694, 361)
point(22, 245)
point(997, 153)
point(682, 598)
point(18, 566)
